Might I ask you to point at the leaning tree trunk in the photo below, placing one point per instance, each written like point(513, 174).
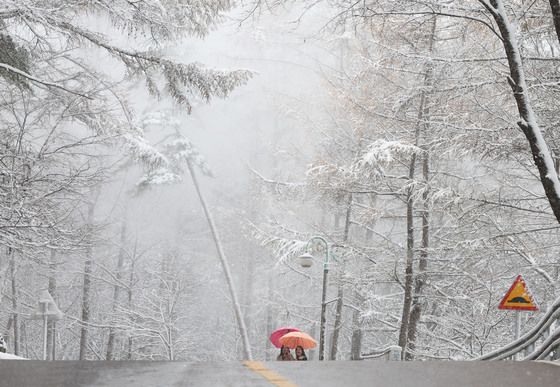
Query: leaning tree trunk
point(225, 266)
point(249, 288)
point(249, 281)
point(528, 123)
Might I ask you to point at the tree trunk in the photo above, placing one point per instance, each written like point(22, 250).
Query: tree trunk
point(528, 123)
point(129, 295)
point(420, 279)
point(116, 289)
point(356, 346)
point(337, 319)
point(408, 279)
point(51, 326)
point(369, 229)
point(340, 295)
point(313, 333)
point(249, 288)
point(269, 317)
point(15, 315)
point(555, 9)
point(86, 288)
point(250, 265)
point(225, 266)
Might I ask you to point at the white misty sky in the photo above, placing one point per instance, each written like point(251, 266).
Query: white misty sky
point(287, 59)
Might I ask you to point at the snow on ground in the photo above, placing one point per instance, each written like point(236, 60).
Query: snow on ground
point(9, 356)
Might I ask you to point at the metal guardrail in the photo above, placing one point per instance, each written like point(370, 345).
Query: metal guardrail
point(551, 343)
point(528, 340)
point(393, 353)
point(526, 343)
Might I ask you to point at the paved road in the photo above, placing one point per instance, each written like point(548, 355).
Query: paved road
point(423, 374)
point(283, 374)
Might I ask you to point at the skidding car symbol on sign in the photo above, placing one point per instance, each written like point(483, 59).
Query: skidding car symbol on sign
point(518, 297)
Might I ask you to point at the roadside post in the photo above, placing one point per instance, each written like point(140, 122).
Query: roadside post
point(47, 310)
point(518, 298)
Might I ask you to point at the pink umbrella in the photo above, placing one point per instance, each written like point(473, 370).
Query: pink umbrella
point(278, 333)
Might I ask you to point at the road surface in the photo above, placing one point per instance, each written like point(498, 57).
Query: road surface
point(32, 373)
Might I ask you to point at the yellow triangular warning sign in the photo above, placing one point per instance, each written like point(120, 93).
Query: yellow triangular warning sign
point(518, 297)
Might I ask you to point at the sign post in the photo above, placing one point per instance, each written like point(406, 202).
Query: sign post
point(518, 298)
point(517, 324)
point(46, 311)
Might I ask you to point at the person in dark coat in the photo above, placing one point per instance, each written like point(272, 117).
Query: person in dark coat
point(300, 353)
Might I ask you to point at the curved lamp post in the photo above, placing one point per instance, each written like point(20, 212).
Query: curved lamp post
point(306, 260)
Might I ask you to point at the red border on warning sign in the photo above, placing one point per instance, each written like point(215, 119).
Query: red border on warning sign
point(531, 306)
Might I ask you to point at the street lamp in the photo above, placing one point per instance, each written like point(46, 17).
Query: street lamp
point(306, 260)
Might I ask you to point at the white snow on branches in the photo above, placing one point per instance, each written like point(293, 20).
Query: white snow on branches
point(382, 153)
point(143, 152)
point(160, 176)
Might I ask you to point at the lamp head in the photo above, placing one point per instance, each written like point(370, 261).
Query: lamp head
point(306, 260)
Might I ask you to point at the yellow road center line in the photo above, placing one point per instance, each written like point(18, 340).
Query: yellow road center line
point(271, 376)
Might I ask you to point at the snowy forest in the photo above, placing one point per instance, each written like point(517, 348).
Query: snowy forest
point(165, 163)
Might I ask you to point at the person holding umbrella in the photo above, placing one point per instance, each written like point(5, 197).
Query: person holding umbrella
point(275, 336)
point(300, 341)
point(300, 353)
point(287, 338)
point(285, 354)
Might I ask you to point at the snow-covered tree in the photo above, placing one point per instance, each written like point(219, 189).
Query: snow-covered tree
point(478, 169)
point(68, 74)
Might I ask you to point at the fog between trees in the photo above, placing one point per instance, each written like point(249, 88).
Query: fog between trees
point(387, 128)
